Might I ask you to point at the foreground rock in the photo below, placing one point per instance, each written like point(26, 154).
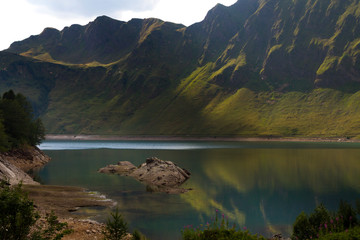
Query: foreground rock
point(13, 174)
point(159, 175)
point(14, 164)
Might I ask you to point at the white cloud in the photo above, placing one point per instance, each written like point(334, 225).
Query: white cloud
point(91, 8)
point(20, 20)
point(178, 11)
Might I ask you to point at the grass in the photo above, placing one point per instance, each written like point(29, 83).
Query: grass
point(198, 107)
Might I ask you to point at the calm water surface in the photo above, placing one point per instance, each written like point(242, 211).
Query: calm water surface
point(259, 185)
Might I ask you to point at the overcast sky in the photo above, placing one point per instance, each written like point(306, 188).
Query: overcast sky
point(21, 18)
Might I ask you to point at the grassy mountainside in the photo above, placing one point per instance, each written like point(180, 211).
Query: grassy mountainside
point(256, 68)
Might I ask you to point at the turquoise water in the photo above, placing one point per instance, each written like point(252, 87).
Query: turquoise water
point(259, 185)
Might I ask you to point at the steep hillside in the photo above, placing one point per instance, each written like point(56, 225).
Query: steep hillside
point(256, 68)
point(102, 41)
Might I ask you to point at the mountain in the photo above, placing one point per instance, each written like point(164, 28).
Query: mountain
point(256, 68)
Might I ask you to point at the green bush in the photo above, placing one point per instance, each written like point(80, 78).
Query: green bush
point(17, 213)
point(54, 230)
point(325, 225)
point(18, 216)
point(218, 230)
point(302, 228)
point(138, 236)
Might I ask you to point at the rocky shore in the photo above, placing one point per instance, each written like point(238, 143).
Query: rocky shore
point(158, 175)
point(14, 164)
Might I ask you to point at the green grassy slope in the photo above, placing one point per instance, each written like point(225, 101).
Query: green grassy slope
point(257, 68)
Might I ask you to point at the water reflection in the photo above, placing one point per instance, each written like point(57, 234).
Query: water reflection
point(269, 178)
point(263, 187)
point(319, 170)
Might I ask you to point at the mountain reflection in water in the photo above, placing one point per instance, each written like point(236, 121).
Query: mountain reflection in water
point(262, 186)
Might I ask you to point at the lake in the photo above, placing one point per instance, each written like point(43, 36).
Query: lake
point(262, 186)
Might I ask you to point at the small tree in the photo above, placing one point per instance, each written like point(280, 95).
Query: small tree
point(54, 229)
point(116, 227)
point(19, 124)
point(302, 228)
point(17, 213)
point(138, 235)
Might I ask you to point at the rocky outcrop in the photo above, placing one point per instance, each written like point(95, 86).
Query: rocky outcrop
point(12, 174)
point(26, 158)
point(159, 175)
point(15, 163)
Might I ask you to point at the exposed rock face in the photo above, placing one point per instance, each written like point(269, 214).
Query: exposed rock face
point(26, 158)
point(14, 164)
point(159, 175)
point(13, 174)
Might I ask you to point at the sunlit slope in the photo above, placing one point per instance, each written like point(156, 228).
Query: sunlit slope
point(199, 108)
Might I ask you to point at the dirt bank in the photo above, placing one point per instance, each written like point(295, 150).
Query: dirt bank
point(191, 138)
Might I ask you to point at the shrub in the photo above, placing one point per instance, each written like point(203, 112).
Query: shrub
point(324, 224)
point(138, 236)
point(17, 213)
point(18, 216)
point(302, 228)
point(54, 229)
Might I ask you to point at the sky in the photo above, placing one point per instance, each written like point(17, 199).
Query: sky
point(19, 19)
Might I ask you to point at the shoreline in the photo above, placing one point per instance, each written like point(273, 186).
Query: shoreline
point(68, 137)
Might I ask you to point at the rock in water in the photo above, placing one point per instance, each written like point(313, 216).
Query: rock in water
point(159, 175)
point(122, 168)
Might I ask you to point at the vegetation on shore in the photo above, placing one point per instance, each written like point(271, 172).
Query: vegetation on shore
point(219, 229)
point(323, 224)
point(18, 126)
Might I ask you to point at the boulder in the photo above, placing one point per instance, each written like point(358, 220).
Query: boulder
point(159, 175)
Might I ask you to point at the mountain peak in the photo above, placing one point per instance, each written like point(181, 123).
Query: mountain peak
point(105, 20)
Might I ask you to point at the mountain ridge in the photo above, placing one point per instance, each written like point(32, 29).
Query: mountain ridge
point(256, 68)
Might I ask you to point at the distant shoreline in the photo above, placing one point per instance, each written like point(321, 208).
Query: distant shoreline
point(69, 137)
